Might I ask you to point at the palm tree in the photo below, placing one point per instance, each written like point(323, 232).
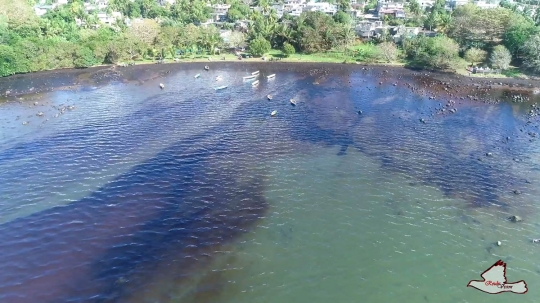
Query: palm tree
point(444, 22)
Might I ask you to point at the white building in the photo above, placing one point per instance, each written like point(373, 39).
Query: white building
point(221, 9)
point(324, 7)
point(109, 19)
point(102, 4)
point(426, 3)
point(296, 11)
point(388, 5)
point(280, 9)
point(452, 4)
point(41, 10)
point(486, 5)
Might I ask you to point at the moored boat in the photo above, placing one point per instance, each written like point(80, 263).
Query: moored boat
point(293, 102)
point(249, 77)
point(221, 87)
point(255, 73)
point(269, 97)
point(272, 76)
point(206, 67)
point(197, 75)
point(255, 83)
point(273, 113)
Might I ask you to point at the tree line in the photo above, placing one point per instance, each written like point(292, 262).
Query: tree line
point(499, 36)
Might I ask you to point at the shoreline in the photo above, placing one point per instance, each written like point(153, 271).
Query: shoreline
point(73, 78)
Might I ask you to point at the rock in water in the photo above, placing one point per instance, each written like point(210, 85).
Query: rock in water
point(515, 219)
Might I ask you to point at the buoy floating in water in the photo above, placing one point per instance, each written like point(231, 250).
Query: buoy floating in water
point(273, 113)
point(161, 86)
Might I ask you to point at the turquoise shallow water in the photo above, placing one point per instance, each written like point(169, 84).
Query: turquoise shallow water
point(191, 195)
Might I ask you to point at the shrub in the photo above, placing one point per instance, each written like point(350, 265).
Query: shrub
point(259, 46)
point(288, 49)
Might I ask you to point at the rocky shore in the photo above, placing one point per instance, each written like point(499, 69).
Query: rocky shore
point(432, 84)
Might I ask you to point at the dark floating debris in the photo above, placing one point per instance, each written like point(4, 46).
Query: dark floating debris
point(422, 120)
point(515, 219)
point(517, 192)
point(359, 112)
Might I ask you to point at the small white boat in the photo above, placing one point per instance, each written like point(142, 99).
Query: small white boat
point(269, 97)
point(255, 73)
point(293, 102)
point(255, 83)
point(161, 86)
point(273, 113)
point(272, 76)
point(218, 78)
point(221, 87)
point(206, 67)
point(197, 75)
point(249, 77)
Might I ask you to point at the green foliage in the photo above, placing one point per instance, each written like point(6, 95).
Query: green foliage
point(518, 32)
point(475, 27)
point(84, 57)
point(8, 61)
point(439, 52)
point(259, 46)
point(342, 17)
point(318, 32)
point(475, 55)
point(367, 52)
point(288, 49)
point(531, 53)
point(500, 57)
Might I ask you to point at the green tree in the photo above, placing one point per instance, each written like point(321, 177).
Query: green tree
point(414, 8)
point(518, 32)
point(342, 17)
point(500, 57)
point(475, 55)
point(84, 57)
point(439, 52)
point(531, 53)
point(288, 49)
point(475, 27)
point(259, 46)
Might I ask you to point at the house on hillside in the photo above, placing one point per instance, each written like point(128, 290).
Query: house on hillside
point(452, 4)
point(41, 10)
point(325, 7)
point(401, 32)
point(425, 4)
point(109, 19)
point(396, 13)
point(486, 4)
point(389, 5)
point(367, 29)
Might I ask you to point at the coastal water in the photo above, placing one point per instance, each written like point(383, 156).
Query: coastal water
point(189, 194)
